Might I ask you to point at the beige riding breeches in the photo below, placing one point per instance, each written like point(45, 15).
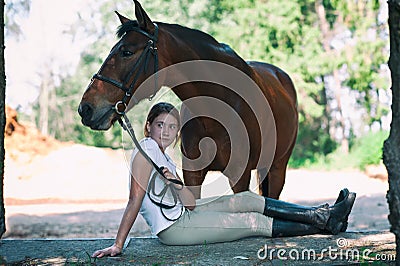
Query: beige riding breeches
point(220, 219)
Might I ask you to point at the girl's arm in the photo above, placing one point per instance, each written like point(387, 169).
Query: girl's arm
point(140, 168)
point(186, 196)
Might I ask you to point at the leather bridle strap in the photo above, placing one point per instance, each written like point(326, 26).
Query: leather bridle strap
point(138, 68)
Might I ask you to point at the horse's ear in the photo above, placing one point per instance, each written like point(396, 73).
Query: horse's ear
point(122, 18)
point(143, 19)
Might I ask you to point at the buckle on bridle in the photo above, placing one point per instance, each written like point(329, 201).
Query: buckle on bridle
point(116, 107)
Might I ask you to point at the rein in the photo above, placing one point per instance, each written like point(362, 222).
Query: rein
point(127, 126)
point(140, 66)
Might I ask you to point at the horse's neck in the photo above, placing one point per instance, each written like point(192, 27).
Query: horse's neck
point(187, 45)
point(200, 45)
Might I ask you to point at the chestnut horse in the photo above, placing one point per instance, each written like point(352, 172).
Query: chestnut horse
point(265, 107)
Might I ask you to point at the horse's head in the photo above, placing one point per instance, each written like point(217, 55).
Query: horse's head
point(130, 62)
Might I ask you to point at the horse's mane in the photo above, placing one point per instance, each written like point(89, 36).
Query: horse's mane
point(133, 25)
point(127, 26)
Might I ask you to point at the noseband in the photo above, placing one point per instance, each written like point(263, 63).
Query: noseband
point(138, 68)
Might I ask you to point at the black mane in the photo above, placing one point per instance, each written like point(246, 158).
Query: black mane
point(126, 27)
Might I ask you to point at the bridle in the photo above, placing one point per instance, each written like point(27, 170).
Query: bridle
point(139, 67)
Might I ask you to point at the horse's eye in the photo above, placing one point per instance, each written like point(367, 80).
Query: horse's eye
point(127, 53)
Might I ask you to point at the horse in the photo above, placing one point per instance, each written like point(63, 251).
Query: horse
point(264, 107)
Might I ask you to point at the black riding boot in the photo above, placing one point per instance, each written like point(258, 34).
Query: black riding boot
point(339, 213)
point(326, 218)
point(316, 216)
point(344, 193)
point(282, 228)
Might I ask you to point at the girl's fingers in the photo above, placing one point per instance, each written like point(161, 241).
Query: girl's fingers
point(98, 254)
point(104, 252)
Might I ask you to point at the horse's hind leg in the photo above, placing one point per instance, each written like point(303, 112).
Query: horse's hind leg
point(276, 177)
point(262, 179)
point(273, 184)
point(276, 181)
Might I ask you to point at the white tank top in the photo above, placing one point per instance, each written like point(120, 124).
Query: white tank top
point(150, 211)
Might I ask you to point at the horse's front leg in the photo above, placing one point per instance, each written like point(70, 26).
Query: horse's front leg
point(194, 168)
point(240, 184)
point(193, 180)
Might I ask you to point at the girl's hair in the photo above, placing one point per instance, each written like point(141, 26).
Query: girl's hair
point(161, 108)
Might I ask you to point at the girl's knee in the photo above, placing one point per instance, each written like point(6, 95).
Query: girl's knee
point(249, 194)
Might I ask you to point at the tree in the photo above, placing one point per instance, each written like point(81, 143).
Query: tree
point(2, 119)
point(15, 8)
point(364, 58)
point(391, 147)
point(285, 33)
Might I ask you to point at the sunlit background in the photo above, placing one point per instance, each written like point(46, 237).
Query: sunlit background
point(61, 172)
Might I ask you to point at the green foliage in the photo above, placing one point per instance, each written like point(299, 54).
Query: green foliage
point(366, 150)
point(312, 144)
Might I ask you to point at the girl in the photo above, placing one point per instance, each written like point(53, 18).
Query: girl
point(182, 220)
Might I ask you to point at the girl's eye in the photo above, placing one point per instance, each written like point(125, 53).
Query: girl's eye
point(127, 53)
point(160, 125)
point(173, 127)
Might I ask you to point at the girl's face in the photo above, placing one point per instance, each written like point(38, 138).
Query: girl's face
point(163, 130)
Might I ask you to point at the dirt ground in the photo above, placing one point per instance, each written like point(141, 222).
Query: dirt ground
point(66, 190)
point(74, 218)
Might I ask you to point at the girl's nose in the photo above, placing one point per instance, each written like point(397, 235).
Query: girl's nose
point(165, 131)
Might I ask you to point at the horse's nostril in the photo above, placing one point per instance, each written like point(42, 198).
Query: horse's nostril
point(85, 110)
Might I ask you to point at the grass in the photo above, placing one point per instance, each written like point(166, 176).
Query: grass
point(365, 151)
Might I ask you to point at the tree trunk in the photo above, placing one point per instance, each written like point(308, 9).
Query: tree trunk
point(391, 147)
point(327, 36)
point(2, 119)
point(44, 105)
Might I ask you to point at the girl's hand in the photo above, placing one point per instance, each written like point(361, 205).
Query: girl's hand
point(110, 251)
point(169, 175)
point(186, 196)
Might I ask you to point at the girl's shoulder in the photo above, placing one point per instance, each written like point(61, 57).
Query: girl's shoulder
point(150, 146)
point(148, 143)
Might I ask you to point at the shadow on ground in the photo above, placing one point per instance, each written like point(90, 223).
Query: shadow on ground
point(343, 249)
point(369, 214)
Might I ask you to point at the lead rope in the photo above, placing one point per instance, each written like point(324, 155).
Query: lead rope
point(127, 126)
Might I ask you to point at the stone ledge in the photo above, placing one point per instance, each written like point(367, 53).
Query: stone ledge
point(319, 249)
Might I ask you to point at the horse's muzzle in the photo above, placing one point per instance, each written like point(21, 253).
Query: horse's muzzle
point(85, 110)
point(97, 119)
